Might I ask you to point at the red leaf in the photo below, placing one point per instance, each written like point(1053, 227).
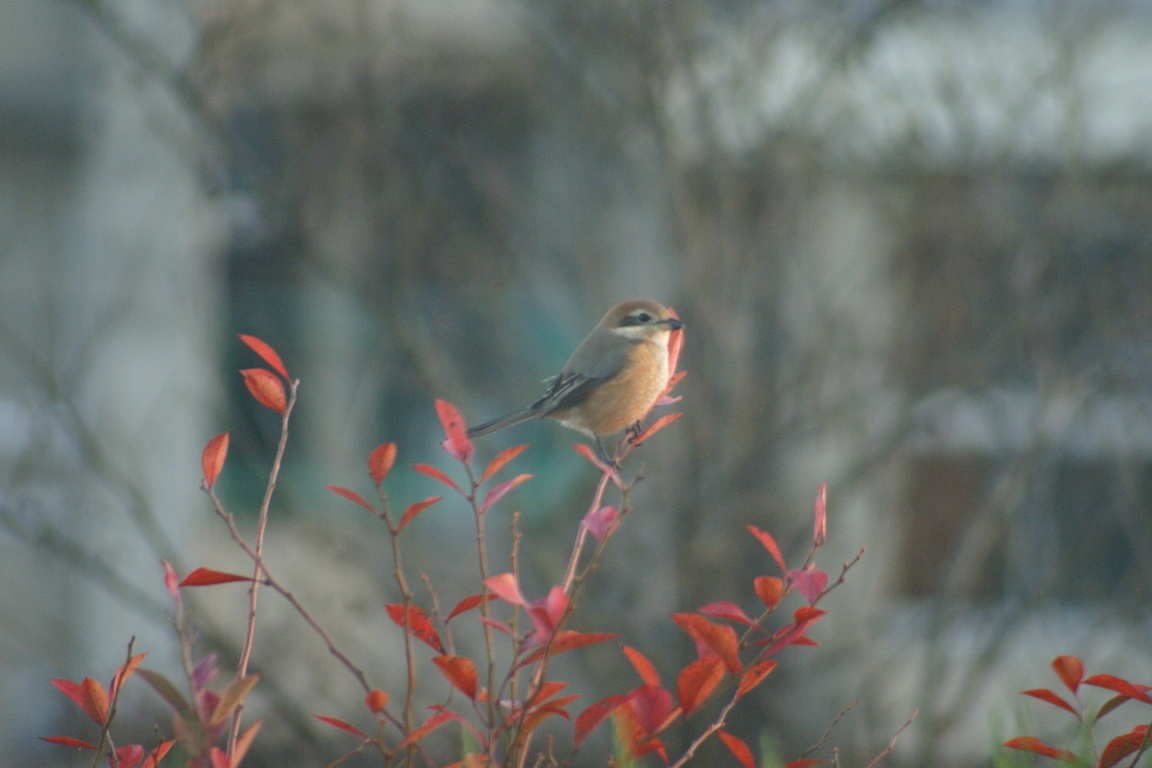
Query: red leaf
point(803, 763)
point(458, 445)
point(501, 459)
point(726, 610)
point(1122, 746)
point(820, 528)
point(675, 344)
point(432, 472)
point(657, 425)
point(717, 638)
point(505, 587)
point(1122, 687)
point(769, 544)
point(806, 614)
point(266, 388)
point(376, 700)
point(643, 667)
point(219, 758)
point(588, 720)
point(380, 462)
point(1070, 671)
point(546, 614)
point(498, 492)
point(123, 673)
point(414, 510)
point(127, 756)
point(353, 497)
point(212, 458)
point(1029, 744)
point(809, 582)
point(568, 640)
point(336, 722)
point(429, 725)
point(206, 577)
point(1110, 705)
point(696, 682)
point(68, 741)
point(419, 624)
point(157, 754)
point(738, 748)
point(768, 589)
point(1046, 695)
point(266, 353)
point(651, 706)
point(753, 676)
point(600, 522)
point(466, 604)
point(460, 671)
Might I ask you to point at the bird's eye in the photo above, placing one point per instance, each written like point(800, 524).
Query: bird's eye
point(643, 317)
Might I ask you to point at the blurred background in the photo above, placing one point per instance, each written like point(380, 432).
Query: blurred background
point(911, 241)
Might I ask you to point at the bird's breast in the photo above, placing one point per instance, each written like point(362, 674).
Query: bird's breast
point(625, 398)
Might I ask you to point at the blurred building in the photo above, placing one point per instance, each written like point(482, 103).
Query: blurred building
point(912, 244)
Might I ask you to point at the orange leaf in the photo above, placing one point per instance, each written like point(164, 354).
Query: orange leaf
point(94, 700)
point(675, 344)
point(642, 665)
point(728, 611)
point(806, 763)
point(376, 700)
point(212, 459)
point(124, 672)
point(157, 754)
point(415, 509)
point(244, 742)
point(460, 671)
point(768, 589)
point(651, 706)
point(501, 459)
point(588, 720)
point(432, 472)
point(769, 544)
point(696, 682)
point(718, 638)
point(753, 676)
point(206, 577)
point(738, 748)
point(265, 388)
point(266, 353)
point(657, 425)
point(498, 492)
point(458, 445)
point(429, 725)
point(419, 624)
point(336, 722)
point(1046, 695)
point(1070, 671)
point(353, 497)
point(380, 462)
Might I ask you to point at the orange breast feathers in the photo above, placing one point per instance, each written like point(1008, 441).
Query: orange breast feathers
point(618, 403)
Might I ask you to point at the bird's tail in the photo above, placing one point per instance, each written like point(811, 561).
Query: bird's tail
point(506, 420)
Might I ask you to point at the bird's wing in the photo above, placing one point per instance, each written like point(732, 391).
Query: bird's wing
point(599, 358)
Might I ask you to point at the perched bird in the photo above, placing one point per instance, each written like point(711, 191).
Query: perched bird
point(612, 379)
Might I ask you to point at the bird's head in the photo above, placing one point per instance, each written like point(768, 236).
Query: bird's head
point(640, 319)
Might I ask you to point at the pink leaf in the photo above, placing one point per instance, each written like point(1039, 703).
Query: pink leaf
point(498, 492)
point(726, 610)
point(600, 522)
point(820, 528)
point(352, 496)
point(426, 469)
point(506, 587)
point(810, 582)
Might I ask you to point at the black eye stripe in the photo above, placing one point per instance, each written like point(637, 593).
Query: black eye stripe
point(637, 318)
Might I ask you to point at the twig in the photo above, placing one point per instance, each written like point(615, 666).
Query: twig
point(892, 743)
point(258, 559)
point(820, 742)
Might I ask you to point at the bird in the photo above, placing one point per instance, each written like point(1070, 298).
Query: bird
point(612, 379)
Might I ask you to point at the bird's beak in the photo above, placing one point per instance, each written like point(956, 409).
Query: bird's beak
point(673, 324)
